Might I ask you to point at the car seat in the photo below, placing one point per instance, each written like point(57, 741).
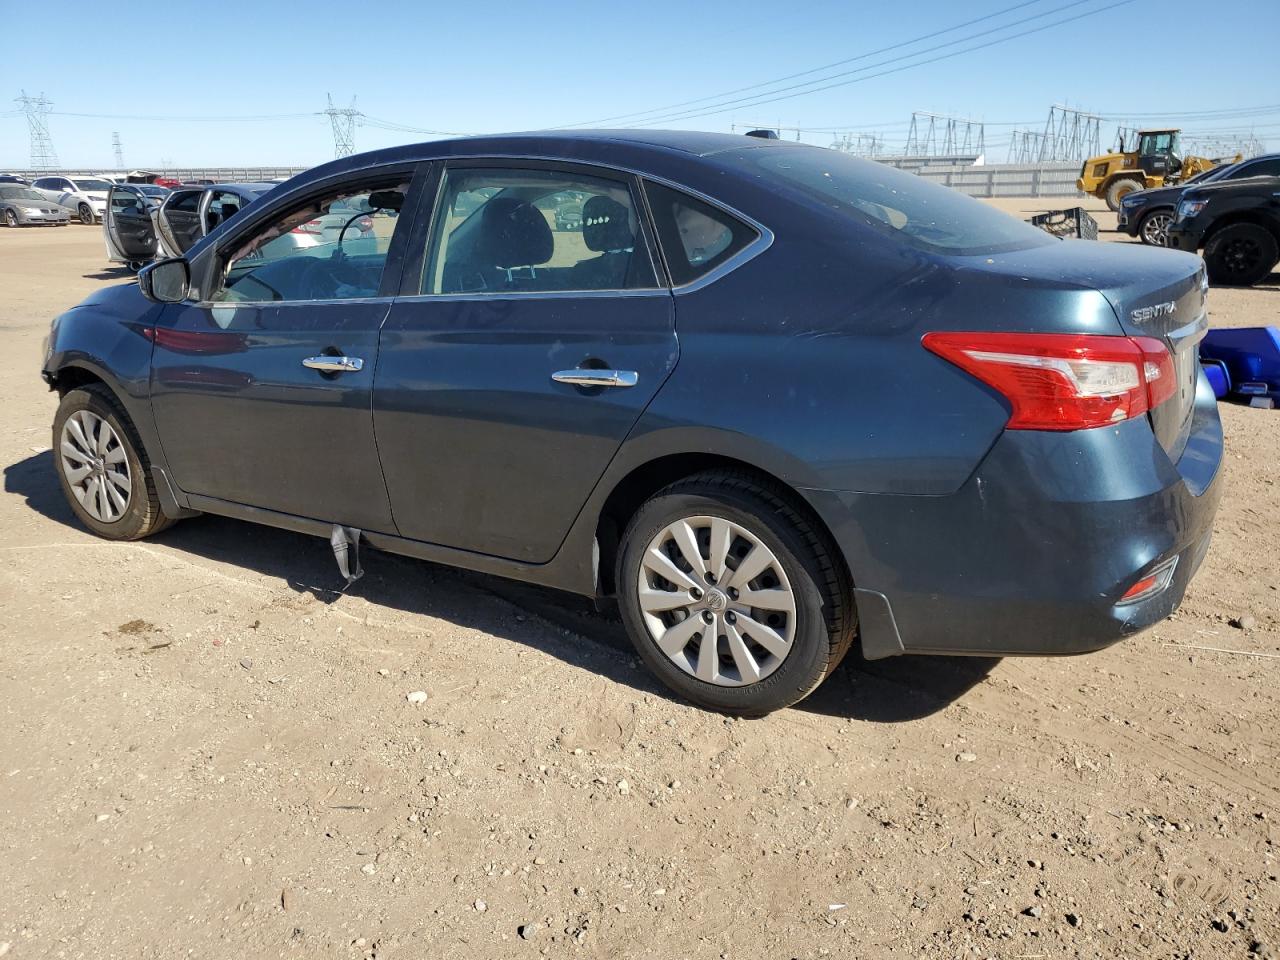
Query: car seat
point(606, 229)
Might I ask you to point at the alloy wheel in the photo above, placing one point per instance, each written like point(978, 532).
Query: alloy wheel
point(11, 218)
point(1241, 255)
point(86, 213)
point(1155, 229)
point(96, 466)
point(716, 601)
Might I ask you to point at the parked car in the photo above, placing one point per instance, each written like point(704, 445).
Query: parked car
point(86, 197)
point(772, 398)
point(1146, 214)
point(1236, 223)
point(189, 213)
point(22, 206)
point(166, 223)
point(12, 178)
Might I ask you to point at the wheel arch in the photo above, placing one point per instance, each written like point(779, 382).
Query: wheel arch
point(643, 480)
point(1243, 216)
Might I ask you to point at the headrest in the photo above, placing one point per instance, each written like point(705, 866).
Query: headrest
point(605, 225)
point(229, 210)
point(513, 233)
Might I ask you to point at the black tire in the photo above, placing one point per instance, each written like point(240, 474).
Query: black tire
point(1241, 254)
point(826, 619)
point(143, 516)
point(1153, 230)
point(86, 214)
point(10, 218)
point(1119, 189)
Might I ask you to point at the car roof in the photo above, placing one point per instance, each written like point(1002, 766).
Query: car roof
point(619, 147)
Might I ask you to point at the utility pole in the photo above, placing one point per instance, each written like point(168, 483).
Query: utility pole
point(43, 156)
point(115, 144)
point(343, 120)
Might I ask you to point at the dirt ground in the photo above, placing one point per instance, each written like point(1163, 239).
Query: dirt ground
point(205, 752)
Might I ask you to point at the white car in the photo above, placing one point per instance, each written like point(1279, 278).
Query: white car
point(85, 197)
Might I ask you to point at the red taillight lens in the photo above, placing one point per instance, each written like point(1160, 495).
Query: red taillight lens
point(1064, 381)
point(312, 227)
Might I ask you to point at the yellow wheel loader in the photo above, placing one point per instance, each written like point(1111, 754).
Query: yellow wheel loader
point(1157, 162)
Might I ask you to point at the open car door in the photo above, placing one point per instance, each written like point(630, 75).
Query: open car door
point(127, 228)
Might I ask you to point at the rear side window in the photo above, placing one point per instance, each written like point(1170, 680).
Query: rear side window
point(187, 202)
point(926, 215)
point(695, 236)
point(1259, 168)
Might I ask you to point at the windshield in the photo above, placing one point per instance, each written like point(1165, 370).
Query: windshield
point(923, 214)
point(21, 193)
point(95, 186)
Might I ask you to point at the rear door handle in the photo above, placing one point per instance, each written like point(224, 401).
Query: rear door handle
point(334, 364)
point(586, 377)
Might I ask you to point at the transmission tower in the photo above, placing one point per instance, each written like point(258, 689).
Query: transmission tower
point(859, 144)
point(1024, 147)
point(115, 145)
point(343, 120)
point(933, 135)
point(43, 156)
point(1070, 135)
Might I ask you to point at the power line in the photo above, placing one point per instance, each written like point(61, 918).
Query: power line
point(153, 118)
point(724, 108)
point(803, 73)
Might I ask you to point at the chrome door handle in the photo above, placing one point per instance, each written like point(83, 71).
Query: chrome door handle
point(585, 377)
point(334, 364)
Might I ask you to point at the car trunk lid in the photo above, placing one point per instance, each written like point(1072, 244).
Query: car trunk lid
point(1153, 292)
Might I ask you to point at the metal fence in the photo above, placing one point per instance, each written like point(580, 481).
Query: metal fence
point(185, 174)
point(992, 180)
point(999, 179)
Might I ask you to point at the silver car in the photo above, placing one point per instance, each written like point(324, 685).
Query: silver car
point(22, 206)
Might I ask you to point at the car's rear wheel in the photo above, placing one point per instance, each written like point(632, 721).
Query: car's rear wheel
point(86, 213)
point(1154, 229)
point(1241, 254)
point(1120, 189)
point(103, 468)
point(10, 218)
point(733, 597)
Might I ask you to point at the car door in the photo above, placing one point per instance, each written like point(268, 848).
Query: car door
point(128, 228)
point(179, 220)
point(519, 356)
point(262, 388)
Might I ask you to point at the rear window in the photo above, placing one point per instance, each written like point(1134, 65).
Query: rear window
point(924, 214)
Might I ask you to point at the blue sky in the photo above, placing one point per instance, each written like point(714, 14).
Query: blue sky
point(518, 66)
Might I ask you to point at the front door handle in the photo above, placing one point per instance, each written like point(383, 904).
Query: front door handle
point(334, 364)
point(586, 377)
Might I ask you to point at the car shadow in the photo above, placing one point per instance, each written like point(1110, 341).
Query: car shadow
point(551, 621)
point(111, 273)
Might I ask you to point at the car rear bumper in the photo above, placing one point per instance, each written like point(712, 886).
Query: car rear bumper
point(1033, 553)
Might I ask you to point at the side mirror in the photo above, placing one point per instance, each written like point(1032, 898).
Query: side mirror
point(165, 281)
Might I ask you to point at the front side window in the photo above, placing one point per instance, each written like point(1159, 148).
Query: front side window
point(1258, 168)
point(332, 248)
point(186, 201)
point(696, 237)
point(92, 186)
point(535, 231)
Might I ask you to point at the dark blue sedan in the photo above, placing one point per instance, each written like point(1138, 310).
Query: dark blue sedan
point(771, 398)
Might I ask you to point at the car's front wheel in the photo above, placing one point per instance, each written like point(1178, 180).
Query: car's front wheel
point(732, 596)
point(10, 218)
point(1154, 229)
point(103, 468)
point(1241, 254)
point(86, 213)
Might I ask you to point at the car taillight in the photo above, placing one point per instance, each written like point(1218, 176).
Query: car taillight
point(365, 224)
point(312, 227)
point(1064, 381)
